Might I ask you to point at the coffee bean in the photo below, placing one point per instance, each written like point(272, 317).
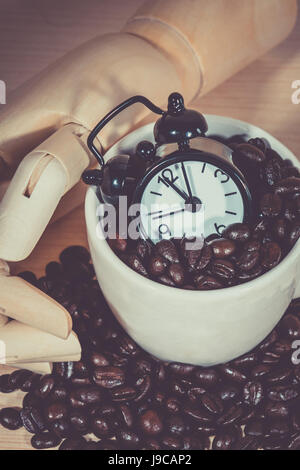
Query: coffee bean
point(18, 377)
point(151, 444)
point(126, 415)
point(260, 371)
point(288, 211)
point(46, 440)
point(64, 369)
point(273, 443)
point(175, 425)
point(150, 423)
point(277, 410)
point(85, 396)
point(280, 229)
point(143, 249)
point(157, 265)
point(5, 386)
point(191, 251)
point(170, 442)
point(253, 393)
point(231, 416)
point(271, 172)
point(33, 419)
point(206, 377)
point(247, 443)
point(103, 426)
point(194, 393)
point(79, 421)
point(123, 394)
point(45, 386)
point(290, 327)
point(294, 443)
point(74, 252)
point(224, 440)
point(278, 428)
point(30, 400)
point(29, 277)
point(245, 276)
point(223, 269)
point(203, 282)
point(251, 153)
point(271, 255)
point(59, 393)
point(128, 439)
point(206, 429)
point(222, 248)
point(75, 443)
point(10, 418)
point(233, 374)
point(261, 144)
point(143, 386)
point(167, 250)
point(288, 186)
point(212, 403)
point(173, 405)
point(143, 366)
point(193, 443)
point(228, 393)
point(260, 227)
point(237, 232)
point(135, 263)
point(62, 428)
point(205, 258)
point(118, 244)
point(271, 205)
point(294, 234)
point(166, 280)
point(56, 411)
point(255, 428)
point(98, 359)
point(278, 375)
point(108, 376)
point(282, 393)
point(247, 260)
point(197, 414)
point(247, 360)
point(270, 358)
point(182, 370)
point(176, 273)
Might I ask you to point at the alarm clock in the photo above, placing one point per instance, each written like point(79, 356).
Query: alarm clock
point(186, 184)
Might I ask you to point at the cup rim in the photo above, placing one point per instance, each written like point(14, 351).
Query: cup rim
point(91, 201)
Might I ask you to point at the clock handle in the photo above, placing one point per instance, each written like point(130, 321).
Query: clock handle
point(109, 116)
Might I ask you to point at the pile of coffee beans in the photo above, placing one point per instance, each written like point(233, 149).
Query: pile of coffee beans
point(119, 397)
point(243, 251)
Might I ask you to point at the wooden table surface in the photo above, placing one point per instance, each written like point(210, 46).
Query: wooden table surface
point(34, 33)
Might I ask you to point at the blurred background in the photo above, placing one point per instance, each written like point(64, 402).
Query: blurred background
point(34, 33)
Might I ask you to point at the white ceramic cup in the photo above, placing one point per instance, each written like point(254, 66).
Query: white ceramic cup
point(197, 327)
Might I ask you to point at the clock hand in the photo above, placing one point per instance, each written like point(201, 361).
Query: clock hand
point(168, 213)
point(187, 183)
point(178, 190)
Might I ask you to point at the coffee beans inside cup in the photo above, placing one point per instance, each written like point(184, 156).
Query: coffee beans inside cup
point(243, 251)
point(119, 397)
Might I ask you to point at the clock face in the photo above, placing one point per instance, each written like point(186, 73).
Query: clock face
point(188, 196)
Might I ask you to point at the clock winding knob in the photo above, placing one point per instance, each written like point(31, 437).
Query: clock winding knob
point(175, 104)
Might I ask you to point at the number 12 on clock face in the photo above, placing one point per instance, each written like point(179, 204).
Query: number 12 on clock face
point(191, 197)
